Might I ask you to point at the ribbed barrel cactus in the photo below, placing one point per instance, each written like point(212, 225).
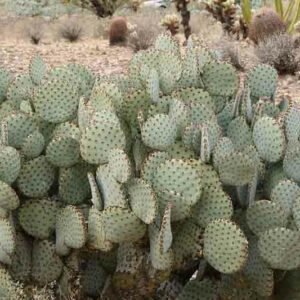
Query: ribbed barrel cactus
point(177, 180)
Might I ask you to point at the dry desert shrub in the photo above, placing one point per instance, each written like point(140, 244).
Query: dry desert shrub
point(35, 32)
point(232, 54)
point(101, 29)
point(33, 29)
point(279, 51)
point(71, 30)
point(203, 24)
point(146, 29)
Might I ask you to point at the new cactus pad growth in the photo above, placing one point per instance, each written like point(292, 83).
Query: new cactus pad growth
point(174, 181)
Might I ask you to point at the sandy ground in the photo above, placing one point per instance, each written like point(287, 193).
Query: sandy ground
point(97, 54)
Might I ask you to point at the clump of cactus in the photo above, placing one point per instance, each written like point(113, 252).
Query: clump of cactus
point(264, 24)
point(182, 8)
point(175, 181)
point(171, 23)
point(229, 14)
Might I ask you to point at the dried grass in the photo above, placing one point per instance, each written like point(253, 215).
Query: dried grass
point(35, 31)
point(146, 30)
point(202, 23)
point(232, 54)
point(280, 52)
point(71, 30)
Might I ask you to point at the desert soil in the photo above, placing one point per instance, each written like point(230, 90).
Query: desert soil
point(16, 52)
point(97, 54)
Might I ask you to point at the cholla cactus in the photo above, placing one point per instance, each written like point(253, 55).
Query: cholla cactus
point(131, 27)
point(227, 12)
point(182, 7)
point(131, 183)
point(171, 22)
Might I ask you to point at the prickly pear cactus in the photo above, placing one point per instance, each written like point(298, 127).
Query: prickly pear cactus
point(171, 182)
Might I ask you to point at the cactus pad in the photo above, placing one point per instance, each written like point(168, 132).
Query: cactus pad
point(159, 132)
point(121, 225)
point(8, 288)
point(153, 85)
point(119, 165)
point(10, 164)
point(220, 79)
point(19, 90)
point(296, 211)
point(85, 76)
point(159, 260)
point(236, 169)
point(280, 249)
point(70, 229)
point(33, 145)
point(46, 264)
point(223, 148)
point(165, 42)
point(20, 267)
point(19, 127)
point(73, 184)
point(165, 235)
point(269, 139)
point(36, 177)
point(199, 290)
point(179, 114)
point(142, 200)
point(179, 151)
point(111, 190)
point(291, 162)
point(96, 233)
point(200, 113)
point(56, 101)
point(284, 194)
point(37, 69)
point(38, 217)
point(239, 133)
point(187, 243)
point(178, 182)
point(153, 161)
point(259, 274)
point(262, 81)
point(63, 152)
point(104, 127)
point(292, 122)
point(9, 199)
point(190, 70)
point(7, 241)
point(214, 204)
point(169, 71)
point(264, 215)
point(5, 79)
point(225, 246)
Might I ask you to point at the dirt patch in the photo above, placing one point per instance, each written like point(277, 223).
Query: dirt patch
point(96, 54)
